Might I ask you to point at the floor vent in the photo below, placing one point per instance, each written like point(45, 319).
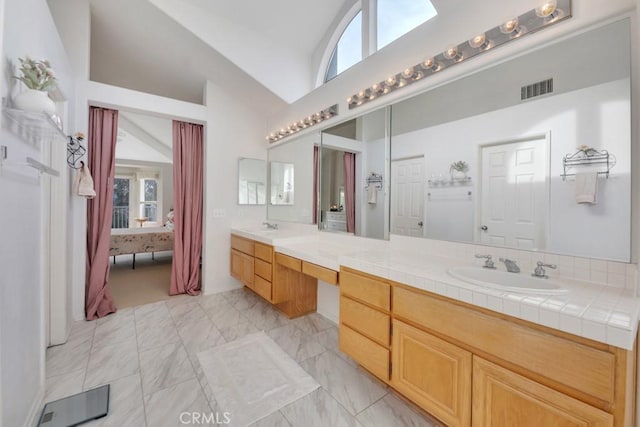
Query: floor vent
point(536, 89)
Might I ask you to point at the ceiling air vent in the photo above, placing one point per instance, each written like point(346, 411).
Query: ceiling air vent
point(536, 89)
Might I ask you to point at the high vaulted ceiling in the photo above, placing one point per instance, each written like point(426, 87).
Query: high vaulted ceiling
point(260, 50)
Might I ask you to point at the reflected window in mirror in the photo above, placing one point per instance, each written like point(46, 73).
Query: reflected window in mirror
point(509, 141)
point(252, 178)
point(282, 183)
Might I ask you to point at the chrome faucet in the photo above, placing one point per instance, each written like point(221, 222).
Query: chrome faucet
point(488, 263)
point(271, 225)
point(540, 272)
point(511, 265)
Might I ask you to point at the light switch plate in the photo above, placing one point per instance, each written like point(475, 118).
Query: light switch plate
point(219, 213)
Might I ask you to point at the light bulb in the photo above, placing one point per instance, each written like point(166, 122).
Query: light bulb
point(402, 83)
point(408, 72)
point(431, 64)
point(509, 26)
point(386, 90)
point(547, 8)
point(391, 80)
point(418, 75)
point(375, 87)
point(349, 100)
point(477, 41)
point(453, 53)
point(481, 42)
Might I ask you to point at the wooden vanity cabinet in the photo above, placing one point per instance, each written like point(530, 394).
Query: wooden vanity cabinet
point(242, 265)
point(252, 264)
point(365, 322)
point(470, 366)
point(294, 293)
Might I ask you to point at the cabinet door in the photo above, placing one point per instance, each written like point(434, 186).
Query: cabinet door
point(236, 264)
point(504, 398)
point(242, 267)
point(431, 372)
point(247, 270)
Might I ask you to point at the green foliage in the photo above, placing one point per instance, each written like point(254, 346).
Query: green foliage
point(36, 74)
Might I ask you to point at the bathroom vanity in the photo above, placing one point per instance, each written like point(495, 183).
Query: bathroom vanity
point(458, 350)
point(470, 366)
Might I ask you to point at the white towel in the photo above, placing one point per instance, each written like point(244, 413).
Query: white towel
point(372, 194)
point(84, 183)
point(586, 187)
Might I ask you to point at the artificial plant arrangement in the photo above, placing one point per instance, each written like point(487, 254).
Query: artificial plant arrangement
point(36, 74)
point(460, 166)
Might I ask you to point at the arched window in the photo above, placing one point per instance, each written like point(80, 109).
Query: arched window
point(388, 20)
point(348, 50)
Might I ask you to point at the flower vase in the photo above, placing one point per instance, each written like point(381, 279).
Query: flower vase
point(458, 175)
point(36, 101)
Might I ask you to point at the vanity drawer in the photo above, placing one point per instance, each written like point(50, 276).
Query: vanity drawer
point(322, 273)
point(241, 244)
point(290, 262)
point(366, 289)
point(367, 353)
point(372, 323)
point(262, 269)
point(264, 252)
point(588, 369)
point(262, 287)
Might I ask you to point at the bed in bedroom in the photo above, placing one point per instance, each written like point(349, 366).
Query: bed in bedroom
point(139, 240)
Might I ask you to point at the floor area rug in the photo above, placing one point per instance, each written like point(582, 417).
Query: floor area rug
point(253, 377)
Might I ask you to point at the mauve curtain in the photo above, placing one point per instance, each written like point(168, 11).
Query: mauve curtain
point(316, 164)
point(103, 133)
point(349, 160)
point(187, 208)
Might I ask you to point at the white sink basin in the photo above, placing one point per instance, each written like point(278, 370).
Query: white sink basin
point(517, 282)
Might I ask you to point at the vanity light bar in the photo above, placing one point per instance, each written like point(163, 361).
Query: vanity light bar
point(549, 12)
point(311, 120)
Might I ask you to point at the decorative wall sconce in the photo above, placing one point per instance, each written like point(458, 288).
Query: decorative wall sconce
point(547, 13)
point(311, 120)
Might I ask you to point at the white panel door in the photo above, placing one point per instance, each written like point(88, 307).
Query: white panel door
point(407, 197)
point(514, 194)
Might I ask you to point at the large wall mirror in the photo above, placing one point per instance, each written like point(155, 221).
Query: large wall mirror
point(354, 176)
point(252, 181)
point(291, 182)
point(473, 161)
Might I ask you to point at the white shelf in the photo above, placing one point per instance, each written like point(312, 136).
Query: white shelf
point(34, 127)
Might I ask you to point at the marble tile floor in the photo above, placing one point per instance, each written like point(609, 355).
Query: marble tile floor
point(148, 355)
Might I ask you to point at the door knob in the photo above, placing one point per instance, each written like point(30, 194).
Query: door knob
point(420, 223)
point(484, 228)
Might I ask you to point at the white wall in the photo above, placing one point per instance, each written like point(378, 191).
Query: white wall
point(299, 151)
point(598, 116)
point(22, 289)
point(371, 130)
point(233, 130)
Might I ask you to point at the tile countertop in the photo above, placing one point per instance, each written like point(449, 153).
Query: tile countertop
point(599, 312)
